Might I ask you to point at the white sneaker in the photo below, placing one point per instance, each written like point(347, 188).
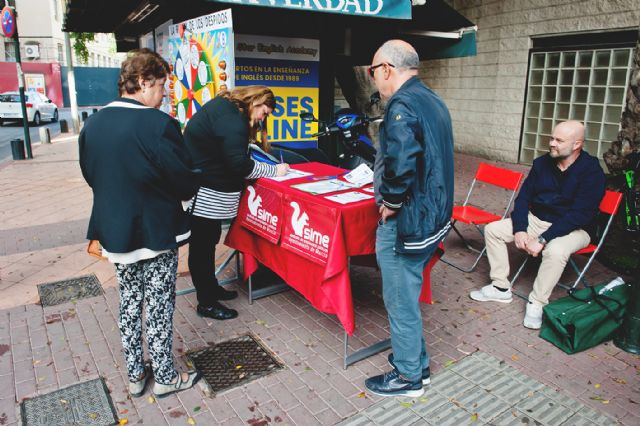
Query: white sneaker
point(489, 293)
point(533, 316)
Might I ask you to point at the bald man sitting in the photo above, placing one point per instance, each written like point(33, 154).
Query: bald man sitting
point(556, 206)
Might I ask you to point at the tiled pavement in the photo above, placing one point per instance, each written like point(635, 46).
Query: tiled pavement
point(45, 205)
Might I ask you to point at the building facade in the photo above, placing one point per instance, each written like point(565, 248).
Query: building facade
point(539, 62)
point(42, 40)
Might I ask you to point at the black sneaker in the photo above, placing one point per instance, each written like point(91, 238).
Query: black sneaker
point(393, 384)
point(222, 294)
point(217, 311)
point(426, 373)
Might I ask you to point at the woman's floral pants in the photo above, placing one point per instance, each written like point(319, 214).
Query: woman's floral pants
point(152, 282)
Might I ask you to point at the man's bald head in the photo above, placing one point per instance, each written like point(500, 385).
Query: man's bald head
point(575, 127)
point(566, 142)
point(399, 53)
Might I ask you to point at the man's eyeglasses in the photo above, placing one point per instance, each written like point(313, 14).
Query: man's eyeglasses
point(372, 68)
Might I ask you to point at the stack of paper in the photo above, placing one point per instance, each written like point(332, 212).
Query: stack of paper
point(360, 176)
point(348, 197)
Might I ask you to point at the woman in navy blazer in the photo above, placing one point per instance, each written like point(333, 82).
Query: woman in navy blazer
point(133, 157)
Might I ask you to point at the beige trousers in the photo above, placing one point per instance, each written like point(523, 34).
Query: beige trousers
point(554, 255)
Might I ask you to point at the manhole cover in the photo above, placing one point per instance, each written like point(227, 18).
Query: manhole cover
point(84, 404)
point(64, 291)
point(234, 362)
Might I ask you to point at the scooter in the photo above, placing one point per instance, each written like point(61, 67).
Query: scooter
point(351, 130)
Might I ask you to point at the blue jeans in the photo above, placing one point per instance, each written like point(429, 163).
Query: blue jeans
point(401, 286)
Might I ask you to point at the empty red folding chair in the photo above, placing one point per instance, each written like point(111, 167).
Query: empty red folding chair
point(472, 215)
point(608, 207)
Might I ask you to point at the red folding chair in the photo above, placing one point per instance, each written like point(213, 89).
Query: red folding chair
point(608, 207)
point(471, 215)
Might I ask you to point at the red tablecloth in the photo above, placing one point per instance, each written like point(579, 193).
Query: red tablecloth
point(309, 242)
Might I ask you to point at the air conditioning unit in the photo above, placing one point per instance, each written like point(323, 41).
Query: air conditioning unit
point(32, 51)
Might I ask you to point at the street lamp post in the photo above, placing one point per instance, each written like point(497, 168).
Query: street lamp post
point(10, 29)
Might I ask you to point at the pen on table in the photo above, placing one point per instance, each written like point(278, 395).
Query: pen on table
point(281, 160)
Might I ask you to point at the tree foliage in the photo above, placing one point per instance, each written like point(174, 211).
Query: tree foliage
point(80, 41)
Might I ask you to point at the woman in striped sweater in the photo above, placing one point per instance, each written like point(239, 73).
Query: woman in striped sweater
point(217, 137)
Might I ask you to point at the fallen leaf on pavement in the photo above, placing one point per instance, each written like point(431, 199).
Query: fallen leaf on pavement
point(191, 421)
point(261, 322)
point(449, 363)
point(238, 367)
point(620, 381)
point(151, 399)
point(361, 395)
point(597, 386)
point(196, 409)
point(123, 422)
point(474, 417)
point(515, 357)
point(406, 404)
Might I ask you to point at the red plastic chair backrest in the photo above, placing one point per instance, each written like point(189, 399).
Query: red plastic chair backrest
point(498, 176)
point(610, 202)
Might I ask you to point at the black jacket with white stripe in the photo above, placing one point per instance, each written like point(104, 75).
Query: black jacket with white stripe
point(137, 165)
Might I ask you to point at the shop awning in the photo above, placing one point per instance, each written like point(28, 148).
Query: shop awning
point(394, 9)
point(435, 29)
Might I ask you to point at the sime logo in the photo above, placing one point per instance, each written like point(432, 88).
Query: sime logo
point(255, 203)
point(299, 222)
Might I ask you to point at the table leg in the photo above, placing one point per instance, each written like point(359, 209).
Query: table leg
point(363, 353)
point(265, 291)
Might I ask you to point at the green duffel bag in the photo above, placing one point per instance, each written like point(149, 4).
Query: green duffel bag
point(586, 317)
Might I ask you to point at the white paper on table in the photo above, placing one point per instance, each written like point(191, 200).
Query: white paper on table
point(360, 176)
point(291, 174)
point(324, 186)
point(348, 197)
point(369, 189)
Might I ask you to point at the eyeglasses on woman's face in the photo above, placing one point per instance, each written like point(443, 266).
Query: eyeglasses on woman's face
point(372, 68)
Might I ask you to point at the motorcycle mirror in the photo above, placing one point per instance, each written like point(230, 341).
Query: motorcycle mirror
point(307, 116)
point(374, 98)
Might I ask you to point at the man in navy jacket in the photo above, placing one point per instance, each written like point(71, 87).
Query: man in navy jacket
point(552, 213)
point(414, 188)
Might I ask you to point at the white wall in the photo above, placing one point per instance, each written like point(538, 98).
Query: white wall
point(485, 93)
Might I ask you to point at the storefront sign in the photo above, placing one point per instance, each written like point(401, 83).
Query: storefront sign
point(202, 61)
point(308, 229)
point(35, 83)
point(261, 212)
point(290, 67)
point(396, 9)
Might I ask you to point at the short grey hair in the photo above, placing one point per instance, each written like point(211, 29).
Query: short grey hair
point(400, 54)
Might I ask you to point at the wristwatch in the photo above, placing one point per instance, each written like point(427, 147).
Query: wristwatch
point(542, 241)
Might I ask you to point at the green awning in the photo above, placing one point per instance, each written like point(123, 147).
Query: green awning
point(392, 9)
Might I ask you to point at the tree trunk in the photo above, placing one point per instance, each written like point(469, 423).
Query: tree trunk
point(629, 136)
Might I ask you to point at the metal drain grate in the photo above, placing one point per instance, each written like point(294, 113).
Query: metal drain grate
point(234, 362)
point(64, 291)
point(84, 404)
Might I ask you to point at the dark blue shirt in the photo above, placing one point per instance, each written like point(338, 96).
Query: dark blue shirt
point(568, 199)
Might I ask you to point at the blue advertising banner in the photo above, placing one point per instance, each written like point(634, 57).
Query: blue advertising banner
point(394, 9)
point(290, 68)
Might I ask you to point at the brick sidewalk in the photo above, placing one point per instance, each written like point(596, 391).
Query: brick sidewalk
point(45, 209)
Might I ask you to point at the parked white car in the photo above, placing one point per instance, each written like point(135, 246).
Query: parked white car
point(39, 108)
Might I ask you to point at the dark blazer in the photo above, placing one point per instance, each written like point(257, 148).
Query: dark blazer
point(217, 137)
point(416, 173)
point(135, 161)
